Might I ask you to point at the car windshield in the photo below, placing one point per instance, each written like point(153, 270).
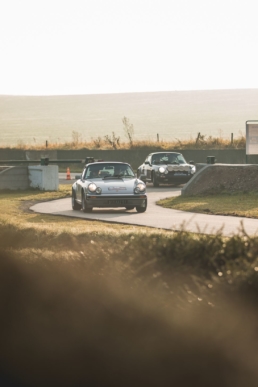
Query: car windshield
point(108, 170)
point(168, 158)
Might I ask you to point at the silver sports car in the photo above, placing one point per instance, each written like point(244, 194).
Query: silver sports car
point(108, 184)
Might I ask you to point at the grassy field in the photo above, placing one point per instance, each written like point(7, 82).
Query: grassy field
point(79, 295)
point(176, 115)
point(113, 142)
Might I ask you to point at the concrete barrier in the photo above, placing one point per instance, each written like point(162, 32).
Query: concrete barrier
point(135, 157)
point(44, 178)
point(217, 178)
point(14, 178)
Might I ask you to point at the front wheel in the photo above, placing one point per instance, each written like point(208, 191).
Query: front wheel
point(85, 208)
point(155, 180)
point(75, 206)
point(142, 209)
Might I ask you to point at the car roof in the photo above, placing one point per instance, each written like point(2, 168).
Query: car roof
point(156, 153)
point(107, 162)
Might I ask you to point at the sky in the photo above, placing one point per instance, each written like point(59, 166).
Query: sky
point(61, 47)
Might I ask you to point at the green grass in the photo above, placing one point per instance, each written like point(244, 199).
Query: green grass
point(237, 204)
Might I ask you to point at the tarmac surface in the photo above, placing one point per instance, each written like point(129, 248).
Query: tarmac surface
point(155, 216)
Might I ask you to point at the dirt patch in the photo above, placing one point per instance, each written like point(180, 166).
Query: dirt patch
point(218, 178)
point(26, 204)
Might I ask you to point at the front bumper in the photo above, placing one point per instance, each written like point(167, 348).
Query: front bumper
point(104, 201)
point(173, 178)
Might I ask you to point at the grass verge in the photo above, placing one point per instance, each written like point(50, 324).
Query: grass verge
point(236, 204)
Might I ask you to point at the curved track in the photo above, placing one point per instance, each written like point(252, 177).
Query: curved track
point(156, 216)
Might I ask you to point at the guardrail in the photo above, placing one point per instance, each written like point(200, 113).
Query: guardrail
point(47, 161)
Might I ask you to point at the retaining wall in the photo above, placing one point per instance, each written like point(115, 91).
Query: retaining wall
point(134, 157)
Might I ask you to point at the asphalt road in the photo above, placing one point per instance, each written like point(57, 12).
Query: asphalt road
point(155, 216)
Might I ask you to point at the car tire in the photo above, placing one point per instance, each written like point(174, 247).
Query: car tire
point(155, 180)
point(75, 206)
point(84, 205)
point(142, 209)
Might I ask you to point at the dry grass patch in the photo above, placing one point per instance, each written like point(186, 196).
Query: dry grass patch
point(114, 142)
point(237, 204)
point(15, 213)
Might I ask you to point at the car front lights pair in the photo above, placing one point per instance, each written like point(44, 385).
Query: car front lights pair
point(93, 188)
point(140, 188)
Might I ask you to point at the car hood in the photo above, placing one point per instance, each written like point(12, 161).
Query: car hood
point(117, 186)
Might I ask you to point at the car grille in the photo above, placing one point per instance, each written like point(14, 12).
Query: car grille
point(178, 173)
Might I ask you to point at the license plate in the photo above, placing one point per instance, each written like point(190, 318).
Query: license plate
point(117, 202)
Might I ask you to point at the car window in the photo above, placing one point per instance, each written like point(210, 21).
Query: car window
point(181, 159)
point(100, 171)
point(168, 158)
point(155, 159)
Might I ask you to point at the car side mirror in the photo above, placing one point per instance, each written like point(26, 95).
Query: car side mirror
point(147, 162)
point(191, 162)
point(77, 177)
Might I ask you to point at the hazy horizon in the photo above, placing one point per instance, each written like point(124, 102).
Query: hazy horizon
point(172, 115)
point(126, 92)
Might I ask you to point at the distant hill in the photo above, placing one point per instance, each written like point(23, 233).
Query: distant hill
point(175, 114)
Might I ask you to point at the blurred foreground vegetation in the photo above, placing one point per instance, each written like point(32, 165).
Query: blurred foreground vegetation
point(78, 296)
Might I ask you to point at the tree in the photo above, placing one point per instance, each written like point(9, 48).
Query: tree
point(128, 129)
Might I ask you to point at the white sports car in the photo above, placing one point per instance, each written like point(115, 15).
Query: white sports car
point(109, 184)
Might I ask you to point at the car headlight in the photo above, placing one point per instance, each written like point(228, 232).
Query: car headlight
point(162, 170)
point(140, 188)
point(193, 169)
point(92, 187)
